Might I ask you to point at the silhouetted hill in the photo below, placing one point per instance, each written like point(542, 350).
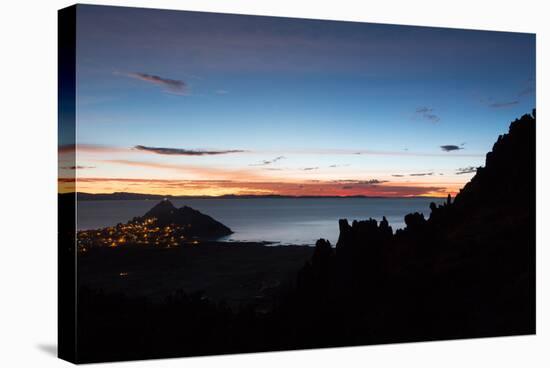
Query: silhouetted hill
point(163, 209)
point(194, 222)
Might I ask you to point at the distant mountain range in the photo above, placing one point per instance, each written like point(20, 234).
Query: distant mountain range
point(123, 196)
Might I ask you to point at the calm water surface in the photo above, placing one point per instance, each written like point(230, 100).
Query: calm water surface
point(283, 220)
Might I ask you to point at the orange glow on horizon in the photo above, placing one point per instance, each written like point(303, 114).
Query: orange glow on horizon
point(216, 188)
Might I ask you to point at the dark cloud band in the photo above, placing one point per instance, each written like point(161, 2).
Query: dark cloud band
point(466, 170)
point(172, 85)
point(184, 152)
point(450, 147)
point(422, 174)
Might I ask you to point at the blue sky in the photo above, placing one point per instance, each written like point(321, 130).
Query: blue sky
point(353, 101)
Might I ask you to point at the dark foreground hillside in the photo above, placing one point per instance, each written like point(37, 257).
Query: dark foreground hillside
point(466, 271)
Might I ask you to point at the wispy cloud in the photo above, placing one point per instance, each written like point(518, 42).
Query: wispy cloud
point(527, 88)
point(184, 152)
point(430, 173)
point(171, 85)
point(381, 153)
point(427, 114)
point(450, 147)
point(422, 174)
point(339, 165)
point(466, 170)
point(268, 162)
point(359, 182)
point(310, 168)
point(504, 104)
point(511, 100)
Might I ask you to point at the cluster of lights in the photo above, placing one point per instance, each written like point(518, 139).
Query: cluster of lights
point(139, 232)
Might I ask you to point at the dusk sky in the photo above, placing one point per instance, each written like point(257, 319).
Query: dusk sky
point(189, 103)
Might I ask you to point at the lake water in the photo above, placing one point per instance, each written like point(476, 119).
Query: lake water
point(299, 221)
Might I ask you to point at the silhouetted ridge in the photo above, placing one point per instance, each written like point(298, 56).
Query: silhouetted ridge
point(195, 223)
point(509, 172)
point(466, 271)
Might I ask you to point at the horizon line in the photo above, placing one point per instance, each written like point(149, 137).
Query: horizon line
point(252, 195)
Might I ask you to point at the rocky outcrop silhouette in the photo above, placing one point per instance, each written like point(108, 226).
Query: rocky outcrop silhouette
point(468, 270)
